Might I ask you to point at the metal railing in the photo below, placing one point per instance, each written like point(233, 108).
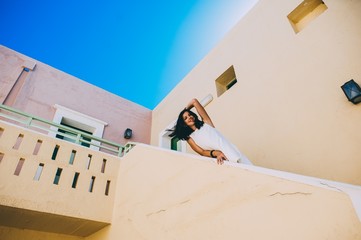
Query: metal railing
point(45, 126)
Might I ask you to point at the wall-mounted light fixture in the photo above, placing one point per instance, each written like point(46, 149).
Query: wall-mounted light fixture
point(352, 91)
point(128, 133)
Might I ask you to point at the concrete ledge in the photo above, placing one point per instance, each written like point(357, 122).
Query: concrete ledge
point(46, 222)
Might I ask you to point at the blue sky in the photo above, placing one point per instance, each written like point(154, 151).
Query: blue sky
point(136, 49)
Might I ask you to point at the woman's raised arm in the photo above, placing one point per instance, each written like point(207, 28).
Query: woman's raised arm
point(200, 110)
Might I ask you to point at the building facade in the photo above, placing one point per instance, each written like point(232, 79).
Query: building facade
point(41, 90)
point(276, 88)
point(271, 86)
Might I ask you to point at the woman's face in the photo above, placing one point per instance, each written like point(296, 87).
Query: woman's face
point(188, 119)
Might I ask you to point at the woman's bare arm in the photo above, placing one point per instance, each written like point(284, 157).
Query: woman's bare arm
point(200, 110)
point(207, 153)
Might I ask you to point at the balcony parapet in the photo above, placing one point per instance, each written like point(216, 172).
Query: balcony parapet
point(51, 185)
point(164, 194)
point(44, 126)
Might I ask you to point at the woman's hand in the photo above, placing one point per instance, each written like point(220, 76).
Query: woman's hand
point(207, 153)
point(220, 157)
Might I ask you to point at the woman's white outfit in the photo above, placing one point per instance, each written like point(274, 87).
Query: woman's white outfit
point(209, 138)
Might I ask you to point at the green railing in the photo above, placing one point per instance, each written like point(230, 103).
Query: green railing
point(45, 126)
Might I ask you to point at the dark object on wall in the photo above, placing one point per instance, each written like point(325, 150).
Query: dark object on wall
point(128, 133)
point(352, 91)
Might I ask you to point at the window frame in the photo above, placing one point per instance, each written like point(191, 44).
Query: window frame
point(77, 120)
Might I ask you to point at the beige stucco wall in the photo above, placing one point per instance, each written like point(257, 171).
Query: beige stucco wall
point(162, 194)
point(287, 110)
point(45, 86)
point(165, 195)
point(38, 204)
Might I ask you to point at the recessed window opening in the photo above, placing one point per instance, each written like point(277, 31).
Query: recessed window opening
point(225, 81)
point(89, 159)
point(71, 136)
point(305, 13)
point(18, 141)
point(1, 131)
point(75, 179)
point(57, 176)
point(103, 165)
point(37, 147)
point(19, 166)
point(107, 188)
point(72, 157)
point(39, 171)
point(91, 186)
point(1, 156)
point(55, 152)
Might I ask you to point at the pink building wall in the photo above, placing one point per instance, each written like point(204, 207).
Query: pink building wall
point(37, 91)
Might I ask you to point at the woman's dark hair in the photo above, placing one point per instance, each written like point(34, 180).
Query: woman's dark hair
point(181, 130)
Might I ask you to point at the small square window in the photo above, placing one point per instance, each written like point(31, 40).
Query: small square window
point(306, 12)
point(226, 81)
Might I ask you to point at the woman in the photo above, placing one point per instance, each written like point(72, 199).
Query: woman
point(202, 136)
